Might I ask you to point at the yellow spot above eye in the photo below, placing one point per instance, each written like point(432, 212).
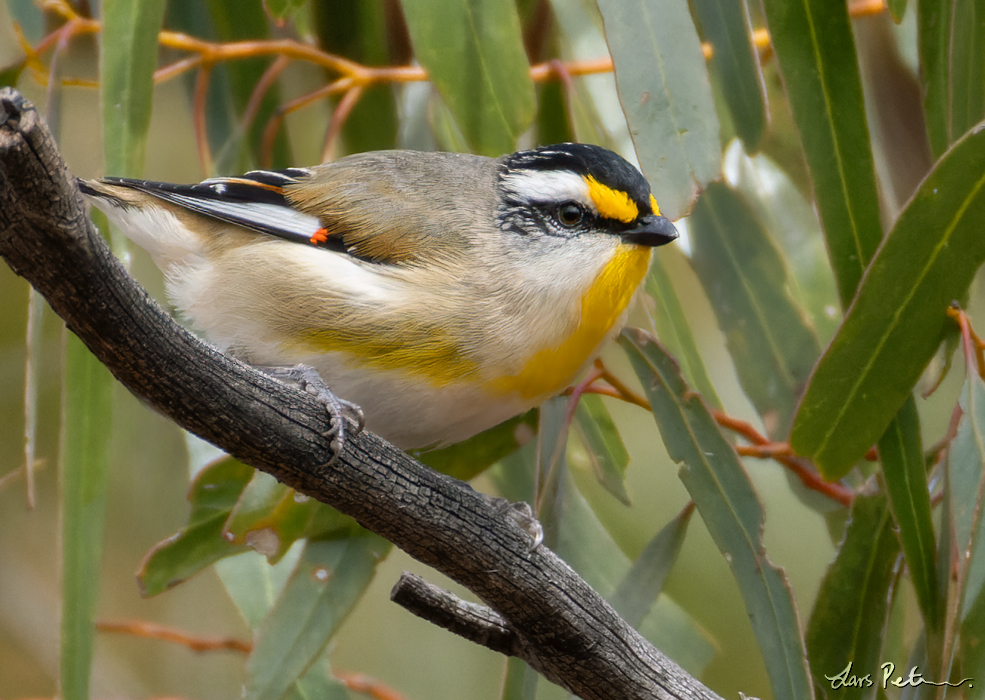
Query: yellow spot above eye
point(610, 203)
point(653, 204)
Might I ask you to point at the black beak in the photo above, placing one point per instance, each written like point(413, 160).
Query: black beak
point(652, 230)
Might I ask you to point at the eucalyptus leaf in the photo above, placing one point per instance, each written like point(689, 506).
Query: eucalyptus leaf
point(730, 508)
point(666, 95)
point(88, 422)
point(815, 50)
point(849, 619)
point(869, 369)
point(329, 578)
point(473, 52)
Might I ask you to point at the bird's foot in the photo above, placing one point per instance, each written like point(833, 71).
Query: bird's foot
point(340, 410)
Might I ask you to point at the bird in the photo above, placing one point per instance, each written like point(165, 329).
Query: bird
point(441, 293)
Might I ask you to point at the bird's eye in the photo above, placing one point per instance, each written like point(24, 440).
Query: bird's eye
point(569, 214)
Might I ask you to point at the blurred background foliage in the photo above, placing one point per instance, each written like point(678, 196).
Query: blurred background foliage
point(839, 164)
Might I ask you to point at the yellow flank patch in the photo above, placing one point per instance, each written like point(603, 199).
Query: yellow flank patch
point(653, 204)
point(553, 369)
point(610, 203)
point(426, 353)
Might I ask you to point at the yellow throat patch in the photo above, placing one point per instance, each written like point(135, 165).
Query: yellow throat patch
point(552, 369)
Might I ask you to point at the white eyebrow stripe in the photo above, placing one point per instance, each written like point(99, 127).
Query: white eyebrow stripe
point(548, 186)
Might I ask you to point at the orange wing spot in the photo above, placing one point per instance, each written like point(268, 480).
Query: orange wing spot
point(320, 236)
point(653, 205)
point(610, 203)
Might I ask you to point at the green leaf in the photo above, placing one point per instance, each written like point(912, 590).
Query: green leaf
point(728, 504)
point(280, 10)
point(327, 582)
point(934, 21)
point(213, 493)
point(666, 95)
point(967, 69)
point(951, 43)
point(519, 680)
point(746, 278)
point(673, 327)
point(792, 221)
point(897, 9)
point(845, 632)
point(362, 32)
point(725, 26)
point(966, 490)
point(238, 150)
point(551, 469)
point(642, 584)
point(473, 52)
point(894, 326)
point(604, 446)
point(586, 545)
point(816, 54)
point(270, 517)
point(253, 584)
point(9, 75)
point(965, 461)
point(128, 58)
point(318, 684)
point(469, 458)
point(30, 18)
point(905, 474)
point(88, 422)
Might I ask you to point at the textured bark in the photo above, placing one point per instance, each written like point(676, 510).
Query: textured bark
point(552, 618)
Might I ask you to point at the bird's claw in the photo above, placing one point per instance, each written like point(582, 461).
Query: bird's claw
point(339, 410)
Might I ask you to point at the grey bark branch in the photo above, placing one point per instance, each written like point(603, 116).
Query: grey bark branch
point(562, 627)
point(473, 622)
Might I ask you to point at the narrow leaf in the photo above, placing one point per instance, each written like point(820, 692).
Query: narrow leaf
point(469, 458)
point(897, 9)
point(728, 504)
point(665, 93)
point(271, 517)
point(816, 54)
point(87, 420)
point(605, 447)
point(746, 279)
point(238, 149)
point(29, 18)
point(280, 10)
point(473, 52)
point(951, 39)
point(364, 32)
point(874, 361)
point(128, 57)
point(253, 584)
point(792, 221)
point(586, 545)
point(327, 581)
point(966, 471)
point(213, 493)
point(847, 626)
point(519, 680)
point(905, 473)
point(966, 466)
point(934, 20)
point(967, 68)
point(318, 684)
point(725, 26)
point(642, 584)
point(675, 330)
